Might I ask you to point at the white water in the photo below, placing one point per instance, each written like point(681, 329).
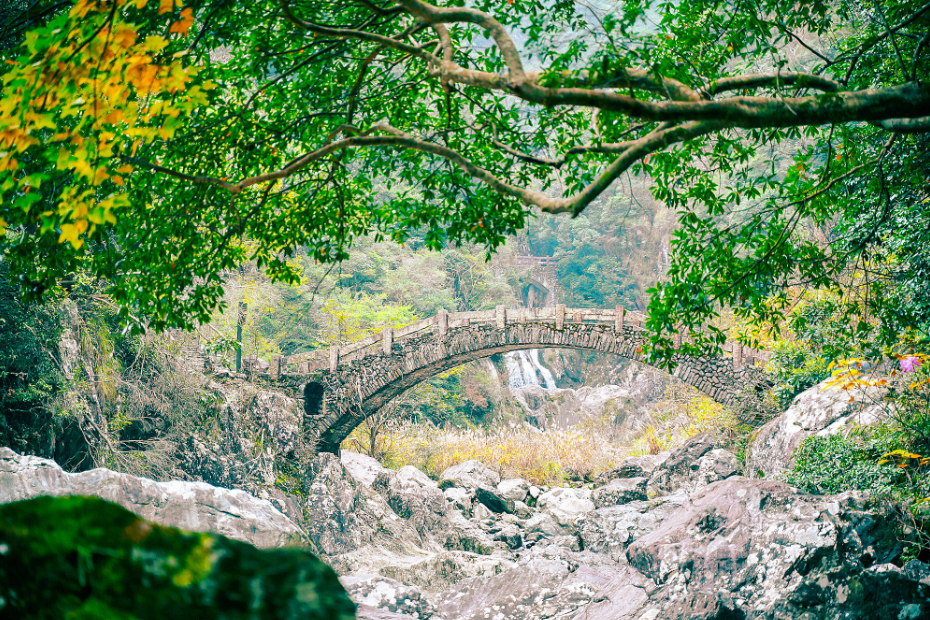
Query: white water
point(525, 369)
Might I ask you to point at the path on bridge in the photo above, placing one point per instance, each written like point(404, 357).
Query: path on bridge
point(344, 385)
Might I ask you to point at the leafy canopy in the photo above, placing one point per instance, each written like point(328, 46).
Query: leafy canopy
point(146, 140)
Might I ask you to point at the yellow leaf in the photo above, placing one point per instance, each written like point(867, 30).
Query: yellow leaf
point(70, 233)
point(125, 168)
point(166, 6)
point(154, 44)
point(3, 226)
point(100, 175)
point(140, 4)
point(185, 23)
point(63, 156)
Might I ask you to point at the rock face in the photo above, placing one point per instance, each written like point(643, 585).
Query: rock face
point(816, 411)
point(194, 506)
point(709, 544)
point(85, 557)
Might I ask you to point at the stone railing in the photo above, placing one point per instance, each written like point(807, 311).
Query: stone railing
point(500, 317)
point(536, 261)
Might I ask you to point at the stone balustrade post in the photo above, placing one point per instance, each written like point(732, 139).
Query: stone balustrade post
point(619, 316)
point(677, 338)
point(333, 358)
point(737, 355)
point(388, 340)
point(560, 316)
point(500, 315)
point(443, 322)
point(274, 368)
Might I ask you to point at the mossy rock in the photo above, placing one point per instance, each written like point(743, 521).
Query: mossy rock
point(86, 558)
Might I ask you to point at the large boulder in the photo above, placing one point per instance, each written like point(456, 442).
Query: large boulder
point(610, 530)
point(253, 428)
point(362, 467)
point(759, 549)
point(89, 558)
point(620, 491)
point(819, 411)
point(415, 497)
point(514, 489)
point(565, 505)
point(695, 464)
point(194, 506)
point(352, 526)
point(632, 467)
point(494, 500)
point(468, 475)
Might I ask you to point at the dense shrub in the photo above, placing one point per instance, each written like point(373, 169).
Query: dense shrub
point(891, 461)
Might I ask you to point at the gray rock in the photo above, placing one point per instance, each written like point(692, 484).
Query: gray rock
point(535, 492)
point(565, 505)
point(610, 530)
point(494, 500)
point(413, 496)
point(630, 467)
point(510, 535)
point(681, 469)
point(385, 594)
point(468, 475)
point(542, 526)
point(354, 527)
point(459, 498)
point(194, 506)
point(466, 536)
point(741, 548)
point(552, 583)
point(361, 467)
point(438, 572)
point(522, 510)
point(367, 612)
point(480, 512)
point(515, 489)
point(620, 491)
point(816, 411)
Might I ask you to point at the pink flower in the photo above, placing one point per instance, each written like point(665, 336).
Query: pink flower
point(910, 364)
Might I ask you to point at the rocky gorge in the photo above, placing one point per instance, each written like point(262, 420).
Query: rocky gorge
point(682, 534)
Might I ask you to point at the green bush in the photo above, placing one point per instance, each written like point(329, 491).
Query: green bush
point(835, 464)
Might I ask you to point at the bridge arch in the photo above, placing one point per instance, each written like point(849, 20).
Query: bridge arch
point(354, 384)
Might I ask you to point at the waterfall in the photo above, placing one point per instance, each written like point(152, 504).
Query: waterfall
point(547, 376)
point(525, 369)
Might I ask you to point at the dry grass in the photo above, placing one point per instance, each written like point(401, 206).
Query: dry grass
point(516, 451)
point(676, 421)
point(543, 457)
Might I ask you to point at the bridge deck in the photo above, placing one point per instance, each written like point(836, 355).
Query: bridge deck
point(305, 363)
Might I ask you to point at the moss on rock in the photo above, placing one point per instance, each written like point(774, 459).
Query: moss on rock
point(84, 557)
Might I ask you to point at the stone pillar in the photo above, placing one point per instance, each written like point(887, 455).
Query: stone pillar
point(303, 368)
point(619, 315)
point(274, 368)
point(500, 314)
point(560, 316)
point(443, 321)
point(333, 358)
point(388, 342)
point(737, 355)
point(677, 339)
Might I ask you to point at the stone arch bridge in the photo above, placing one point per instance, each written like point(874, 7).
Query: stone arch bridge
point(343, 386)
